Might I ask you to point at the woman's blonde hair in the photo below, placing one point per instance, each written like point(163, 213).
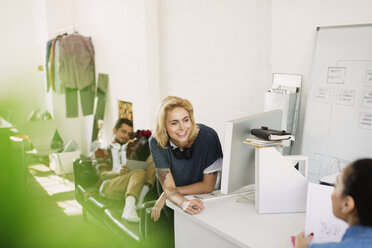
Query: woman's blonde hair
point(170, 103)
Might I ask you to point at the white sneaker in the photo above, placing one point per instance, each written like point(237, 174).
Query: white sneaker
point(130, 214)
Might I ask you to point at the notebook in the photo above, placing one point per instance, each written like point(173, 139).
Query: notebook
point(319, 217)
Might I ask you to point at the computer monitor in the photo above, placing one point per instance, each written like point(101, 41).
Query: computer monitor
point(238, 167)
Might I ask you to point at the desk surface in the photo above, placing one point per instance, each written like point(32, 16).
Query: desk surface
point(240, 223)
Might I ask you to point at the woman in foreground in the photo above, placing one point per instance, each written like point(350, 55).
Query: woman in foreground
point(352, 203)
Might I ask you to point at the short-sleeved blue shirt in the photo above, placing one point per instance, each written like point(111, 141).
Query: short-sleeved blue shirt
point(206, 150)
point(355, 236)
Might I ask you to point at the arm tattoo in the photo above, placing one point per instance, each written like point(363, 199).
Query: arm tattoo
point(172, 192)
point(162, 174)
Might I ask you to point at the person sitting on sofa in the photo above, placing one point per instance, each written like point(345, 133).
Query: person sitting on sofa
point(117, 182)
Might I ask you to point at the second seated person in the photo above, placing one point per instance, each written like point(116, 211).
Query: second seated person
point(187, 156)
point(117, 181)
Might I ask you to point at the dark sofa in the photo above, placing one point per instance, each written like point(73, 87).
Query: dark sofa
point(146, 234)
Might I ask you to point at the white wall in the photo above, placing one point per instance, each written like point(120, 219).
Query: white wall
point(216, 54)
point(119, 34)
point(294, 33)
point(228, 50)
point(20, 83)
point(118, 30)
point(61, 18)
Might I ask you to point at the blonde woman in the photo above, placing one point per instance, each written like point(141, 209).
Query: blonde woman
point(187, 156)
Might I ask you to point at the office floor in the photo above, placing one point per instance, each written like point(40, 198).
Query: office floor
point(53, 217)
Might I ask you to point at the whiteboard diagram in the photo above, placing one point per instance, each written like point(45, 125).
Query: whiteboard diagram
point(369, 79)
point(367, 99)
point(338, 119)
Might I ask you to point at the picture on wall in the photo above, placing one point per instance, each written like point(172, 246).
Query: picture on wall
point(125, 110)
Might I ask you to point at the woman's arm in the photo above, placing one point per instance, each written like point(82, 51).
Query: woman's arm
point(203, 187)
point(159, 205)
point(206, 186)
point(169, 187)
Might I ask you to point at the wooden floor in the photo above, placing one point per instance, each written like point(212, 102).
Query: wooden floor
point(53, 218)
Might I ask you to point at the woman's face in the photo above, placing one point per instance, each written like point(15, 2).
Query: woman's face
point(337, 197)
point(178, 126)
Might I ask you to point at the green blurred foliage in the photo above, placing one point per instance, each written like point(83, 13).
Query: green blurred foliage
point(13, 207)
point(24, 205)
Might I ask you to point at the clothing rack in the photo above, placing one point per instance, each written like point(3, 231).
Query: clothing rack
point(85, 30)
point(66, 30)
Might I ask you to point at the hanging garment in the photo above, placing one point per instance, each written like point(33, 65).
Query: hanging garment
point(52, 61)
point(48, 48)
point(71, 99)
point(76, 58)
point(87, 96)
point(102, 85)
point(86, 101)
point(51, 64)
point(57, 82)
point(77, 72)
point(101, 95)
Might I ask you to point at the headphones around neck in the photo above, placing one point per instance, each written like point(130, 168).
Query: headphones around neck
point(117, 146)
point(185, 154)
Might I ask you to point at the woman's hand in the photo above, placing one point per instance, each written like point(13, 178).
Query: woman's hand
point(159, 204)
point(302, 241)
point(194, 206)
point(189, 206)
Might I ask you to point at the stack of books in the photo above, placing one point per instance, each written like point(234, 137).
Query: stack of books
point(254, 141)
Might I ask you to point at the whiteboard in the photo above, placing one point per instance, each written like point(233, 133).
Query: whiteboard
point(338, 120)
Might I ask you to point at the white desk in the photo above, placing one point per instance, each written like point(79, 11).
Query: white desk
point(227, 223)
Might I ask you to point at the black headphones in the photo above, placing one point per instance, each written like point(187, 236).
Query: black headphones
point(185, 154)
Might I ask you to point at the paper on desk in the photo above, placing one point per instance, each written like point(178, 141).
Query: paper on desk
point(213, 195)
point(319, 217)
point(216, 194)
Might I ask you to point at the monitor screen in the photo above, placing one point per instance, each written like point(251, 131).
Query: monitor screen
point(238, 167)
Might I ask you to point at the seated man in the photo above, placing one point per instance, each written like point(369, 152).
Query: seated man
point(117, 182)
